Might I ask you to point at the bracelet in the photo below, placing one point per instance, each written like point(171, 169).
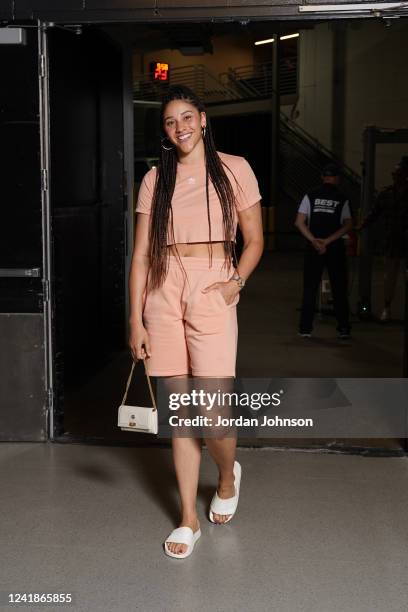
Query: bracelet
point(239, 280)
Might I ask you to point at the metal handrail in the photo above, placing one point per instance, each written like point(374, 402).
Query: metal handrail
point(301, 163)
point(239, 83)
point(294, 127)
point(255, 80)
point(195, 76)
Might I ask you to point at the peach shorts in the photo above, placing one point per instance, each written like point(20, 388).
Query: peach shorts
point(191, 332)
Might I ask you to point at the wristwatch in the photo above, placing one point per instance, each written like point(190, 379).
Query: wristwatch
point(239, 280)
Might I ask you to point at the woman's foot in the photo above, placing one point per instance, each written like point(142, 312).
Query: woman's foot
point(225, 490)
point(178, 548)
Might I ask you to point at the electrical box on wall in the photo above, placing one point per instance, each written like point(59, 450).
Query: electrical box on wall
point(12, 36)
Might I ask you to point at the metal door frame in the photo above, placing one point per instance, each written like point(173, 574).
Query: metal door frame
point(43, 84)
point(372, 136)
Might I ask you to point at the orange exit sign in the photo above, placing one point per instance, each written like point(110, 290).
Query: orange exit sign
point(159, 71)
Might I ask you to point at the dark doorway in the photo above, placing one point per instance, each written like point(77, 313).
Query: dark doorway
point(87, 193)
point(90, 248)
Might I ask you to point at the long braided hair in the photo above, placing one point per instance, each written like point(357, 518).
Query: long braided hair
point(162, 212)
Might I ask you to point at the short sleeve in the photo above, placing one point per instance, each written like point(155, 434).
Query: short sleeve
point(145, 195)
point(247, 193)
point(345, 213)
point(304, 206)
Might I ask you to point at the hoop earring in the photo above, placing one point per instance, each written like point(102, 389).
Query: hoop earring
point(203, 130)
point(163, 147)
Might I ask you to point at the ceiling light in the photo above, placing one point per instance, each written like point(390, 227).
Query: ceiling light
point(289, 36)
point(271, 40)
point(264, 42)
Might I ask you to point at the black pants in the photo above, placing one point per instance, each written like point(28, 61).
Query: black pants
point(335, 260)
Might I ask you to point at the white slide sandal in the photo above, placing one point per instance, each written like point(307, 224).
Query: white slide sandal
point(182, 535)
point(226, 506)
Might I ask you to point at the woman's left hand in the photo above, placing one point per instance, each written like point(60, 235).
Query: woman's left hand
point(229, 290)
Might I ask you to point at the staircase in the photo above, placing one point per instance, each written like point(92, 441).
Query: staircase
point(302, 158)
point(255, 80)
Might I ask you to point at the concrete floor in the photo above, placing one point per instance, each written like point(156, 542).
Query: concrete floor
point(268, 325)
point(314, 532)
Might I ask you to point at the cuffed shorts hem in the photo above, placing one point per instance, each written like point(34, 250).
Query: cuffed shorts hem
point(196, 374)
point(215, 374)
point(156, 372)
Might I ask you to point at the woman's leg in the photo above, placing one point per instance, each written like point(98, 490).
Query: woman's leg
point(222, 446)
point(211, 331)
point(186, 458)
point(222, 450)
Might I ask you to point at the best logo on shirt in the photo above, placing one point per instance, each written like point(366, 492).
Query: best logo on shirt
point(325, 206)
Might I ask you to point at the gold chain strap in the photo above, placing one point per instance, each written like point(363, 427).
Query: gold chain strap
point(148, 381)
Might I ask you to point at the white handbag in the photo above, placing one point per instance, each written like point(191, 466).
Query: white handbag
point(138, 418)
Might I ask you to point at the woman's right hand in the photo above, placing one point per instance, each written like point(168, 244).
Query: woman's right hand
point(139, 343)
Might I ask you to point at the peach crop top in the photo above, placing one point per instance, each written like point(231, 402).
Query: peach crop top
point(189, 202)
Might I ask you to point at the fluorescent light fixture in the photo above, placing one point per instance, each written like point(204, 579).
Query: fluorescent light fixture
point(264, 42)
point(352, 8)
point(289, 36)
point(271, 40)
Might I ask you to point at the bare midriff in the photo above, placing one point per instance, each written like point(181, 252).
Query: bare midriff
point(198, 249)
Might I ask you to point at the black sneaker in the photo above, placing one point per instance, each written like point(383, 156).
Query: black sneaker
point(344, 334)
point(305, 334)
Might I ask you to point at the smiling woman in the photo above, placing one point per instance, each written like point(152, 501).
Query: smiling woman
point(183, 285)
point(184, 128)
